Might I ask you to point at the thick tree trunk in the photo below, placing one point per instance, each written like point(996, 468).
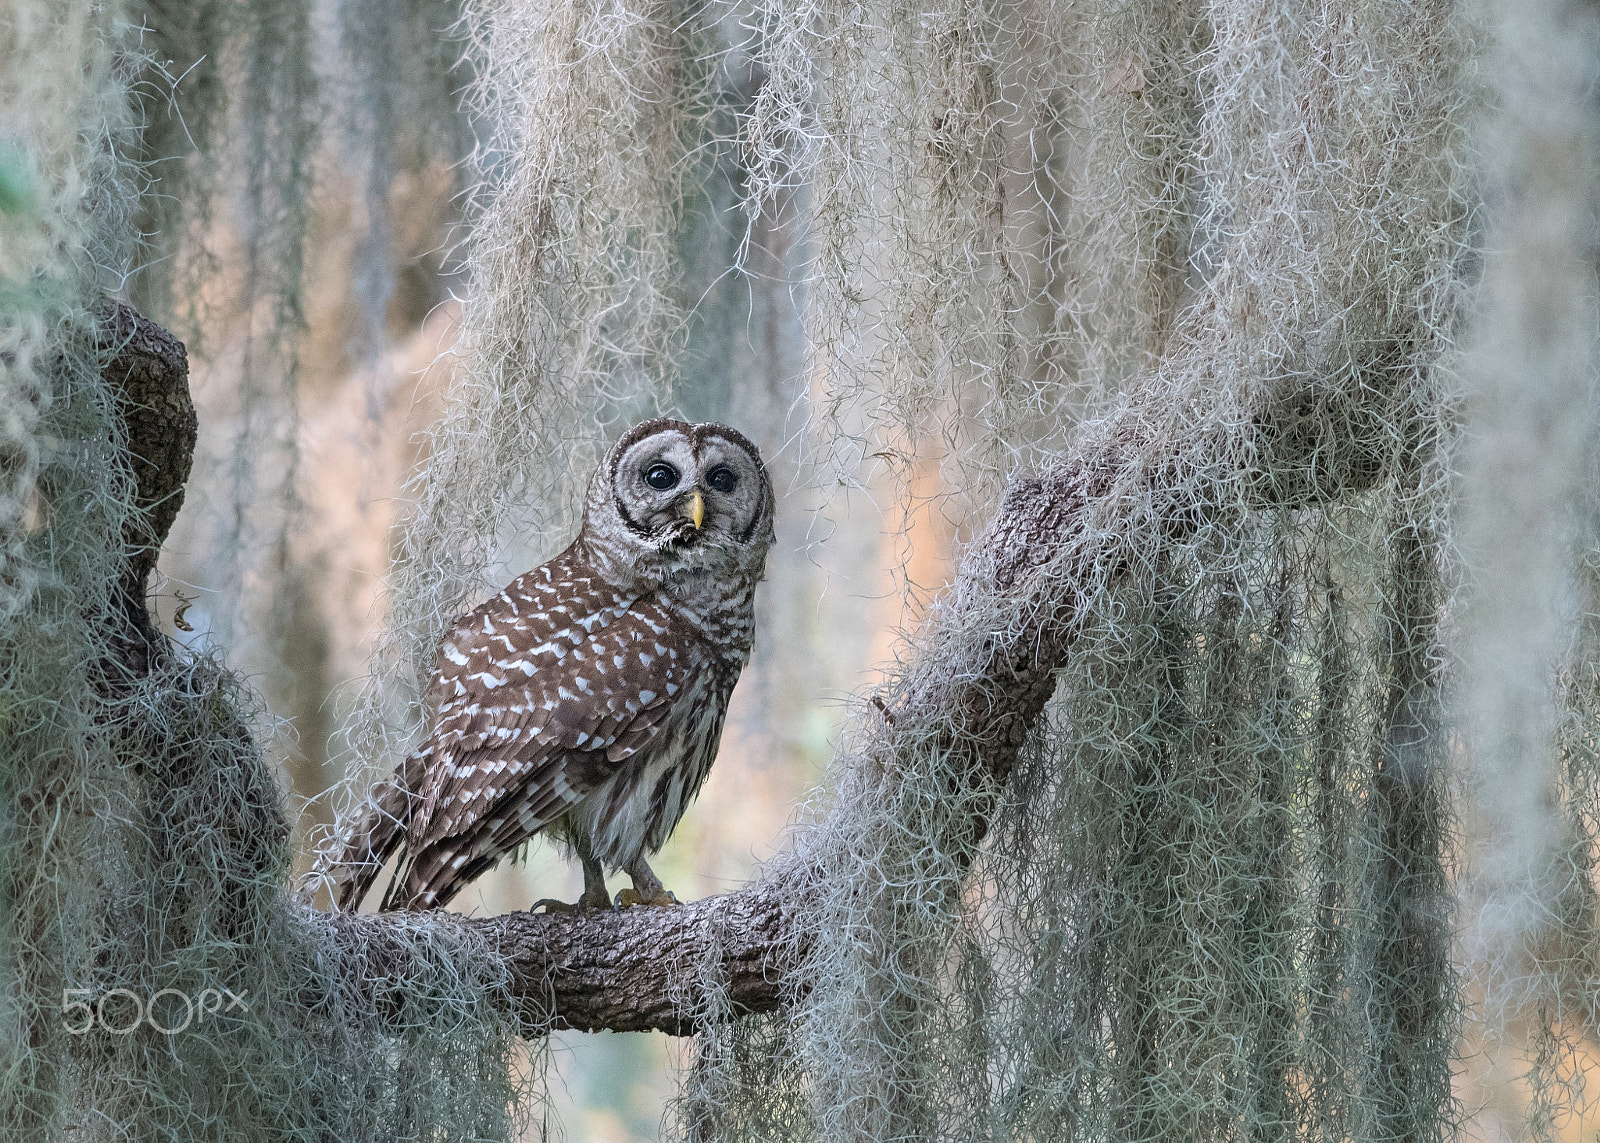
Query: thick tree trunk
point(642, 969)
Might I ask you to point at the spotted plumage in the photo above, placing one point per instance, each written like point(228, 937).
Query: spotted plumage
point(587, 699)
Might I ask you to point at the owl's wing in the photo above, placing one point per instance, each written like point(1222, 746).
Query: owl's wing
point(543, 693)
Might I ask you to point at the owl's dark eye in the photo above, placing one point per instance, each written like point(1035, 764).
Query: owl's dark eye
point(721, 479)
point(661, 476)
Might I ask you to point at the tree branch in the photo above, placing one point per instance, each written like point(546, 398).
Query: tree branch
point(636, 970)
point(148, 371)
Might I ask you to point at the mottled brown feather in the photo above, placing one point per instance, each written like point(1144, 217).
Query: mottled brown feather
point(531, 739)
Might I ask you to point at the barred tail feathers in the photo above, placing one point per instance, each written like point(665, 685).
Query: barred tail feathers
point(382, 827)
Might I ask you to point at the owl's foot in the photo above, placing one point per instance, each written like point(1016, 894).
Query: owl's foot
point(647, 888)
point(594, 888)
point(627, 898)
point(589, 900)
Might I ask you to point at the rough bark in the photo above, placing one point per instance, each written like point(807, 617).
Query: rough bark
point(634, 970)
point(149, 373)
point(638, 970)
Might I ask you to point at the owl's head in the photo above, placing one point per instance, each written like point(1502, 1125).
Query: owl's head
point(672, 498)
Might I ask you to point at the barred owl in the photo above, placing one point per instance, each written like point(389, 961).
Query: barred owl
point(586, 700)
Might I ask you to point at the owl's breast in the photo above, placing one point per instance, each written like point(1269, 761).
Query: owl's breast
point(706, 631)
point(635, 811)
point(720, 617)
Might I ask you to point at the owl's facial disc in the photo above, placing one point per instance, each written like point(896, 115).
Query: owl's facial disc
point(679, 500)
point(685, 497)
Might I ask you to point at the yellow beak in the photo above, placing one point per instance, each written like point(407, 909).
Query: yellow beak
point(697, 510)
